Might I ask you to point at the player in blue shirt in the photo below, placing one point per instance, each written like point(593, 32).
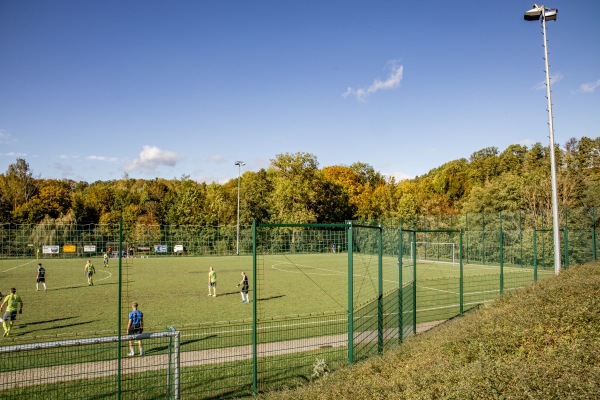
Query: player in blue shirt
point(135, 326)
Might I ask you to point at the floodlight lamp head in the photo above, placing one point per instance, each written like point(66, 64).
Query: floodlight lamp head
point(240, 163)
point(534, 14)
point(550, 14)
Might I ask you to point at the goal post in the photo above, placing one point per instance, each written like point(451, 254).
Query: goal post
point(442, 252)
point(96, 368)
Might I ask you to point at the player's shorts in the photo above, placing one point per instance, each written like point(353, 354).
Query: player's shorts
point(135, 329)
point(10, 315)
point(89, 274)
point(245, 289)
point(106, 261)
point(213, 284)
point(41, 280)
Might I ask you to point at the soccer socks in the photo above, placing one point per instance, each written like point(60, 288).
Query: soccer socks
point(7, 325)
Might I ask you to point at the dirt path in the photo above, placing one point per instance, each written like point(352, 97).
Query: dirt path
point(99, 369)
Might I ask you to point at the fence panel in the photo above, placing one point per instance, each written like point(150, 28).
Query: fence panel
point(321, 295)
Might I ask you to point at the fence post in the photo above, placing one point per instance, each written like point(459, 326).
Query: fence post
point(543, 240)
point(566, 246)
point(594, 257)
point(380, 296)
point(467, 232)
point(461, 282)
point(350, 297)
point(535, 260)
point(254, 322)
point(521, 236)
point(177, 362)
point(566, 238)
point(414, 294)
point(483, 238)
point(119, 311)
point(501, 258)
point(400, 294)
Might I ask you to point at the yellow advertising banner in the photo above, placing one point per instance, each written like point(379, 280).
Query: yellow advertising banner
point(69, 248)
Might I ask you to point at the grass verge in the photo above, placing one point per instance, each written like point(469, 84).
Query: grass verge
point(540, 342)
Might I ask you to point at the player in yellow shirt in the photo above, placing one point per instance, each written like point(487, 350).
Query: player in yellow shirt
point(13, 303)
point(89, 272)
point(105, 261)
point(212, 282)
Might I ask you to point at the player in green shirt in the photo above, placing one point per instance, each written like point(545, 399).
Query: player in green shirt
point(89, 271)
point(212, 282)
point(13, 303)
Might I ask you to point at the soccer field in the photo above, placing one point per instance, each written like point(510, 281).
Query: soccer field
point(173, 291)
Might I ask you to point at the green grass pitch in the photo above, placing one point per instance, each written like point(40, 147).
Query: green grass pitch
point(173, 291)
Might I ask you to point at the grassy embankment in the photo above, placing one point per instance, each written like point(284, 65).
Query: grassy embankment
point(542, 342)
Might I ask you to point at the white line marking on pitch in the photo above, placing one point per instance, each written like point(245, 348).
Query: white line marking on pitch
point(18, 266)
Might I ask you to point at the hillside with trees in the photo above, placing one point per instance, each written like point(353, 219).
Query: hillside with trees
point(295, 189)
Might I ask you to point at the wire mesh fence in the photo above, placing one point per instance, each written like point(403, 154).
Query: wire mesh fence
point(319, 297)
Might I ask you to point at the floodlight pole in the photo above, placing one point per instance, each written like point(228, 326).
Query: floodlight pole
point(239, 164)
point(544, 13)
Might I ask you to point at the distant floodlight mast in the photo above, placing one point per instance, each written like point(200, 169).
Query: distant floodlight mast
point(549, 14)
point(239, 165)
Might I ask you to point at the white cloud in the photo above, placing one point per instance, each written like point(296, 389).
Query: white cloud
point(527, 142)
point(13, 154)
point(399, 176)
point(218, 158)
point(5, 137)
point(102, 158)
point(589, 87)
point(151, 157)
point(553, 79)
point(391, 82)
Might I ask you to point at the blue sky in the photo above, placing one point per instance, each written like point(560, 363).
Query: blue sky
point(90, 90)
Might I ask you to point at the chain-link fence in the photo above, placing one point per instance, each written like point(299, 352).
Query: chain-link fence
point(319, 297)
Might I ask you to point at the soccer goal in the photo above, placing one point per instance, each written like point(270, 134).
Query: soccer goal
point(89, 367)
point(442, 252)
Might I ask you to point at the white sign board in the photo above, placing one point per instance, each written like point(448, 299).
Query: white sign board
point(51, 249)
point(160, 248)
point(178, 248)
point(89, 248)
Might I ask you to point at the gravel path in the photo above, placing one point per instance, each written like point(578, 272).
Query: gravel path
point(99, 369)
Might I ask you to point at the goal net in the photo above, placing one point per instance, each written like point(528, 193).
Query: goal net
point(442, 252)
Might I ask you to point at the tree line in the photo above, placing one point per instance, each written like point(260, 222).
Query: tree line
point(294, 189)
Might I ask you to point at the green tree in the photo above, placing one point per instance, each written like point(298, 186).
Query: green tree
point(502, 194)
point(18, 184)
point(512, 159)
point(484, 165)
point(255, 196)
point(189, 204)
point(332, 201)
point(219, 208)
point(155, 198)
point(294, 195)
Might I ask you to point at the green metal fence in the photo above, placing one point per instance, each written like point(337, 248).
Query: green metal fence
point(322, 296)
